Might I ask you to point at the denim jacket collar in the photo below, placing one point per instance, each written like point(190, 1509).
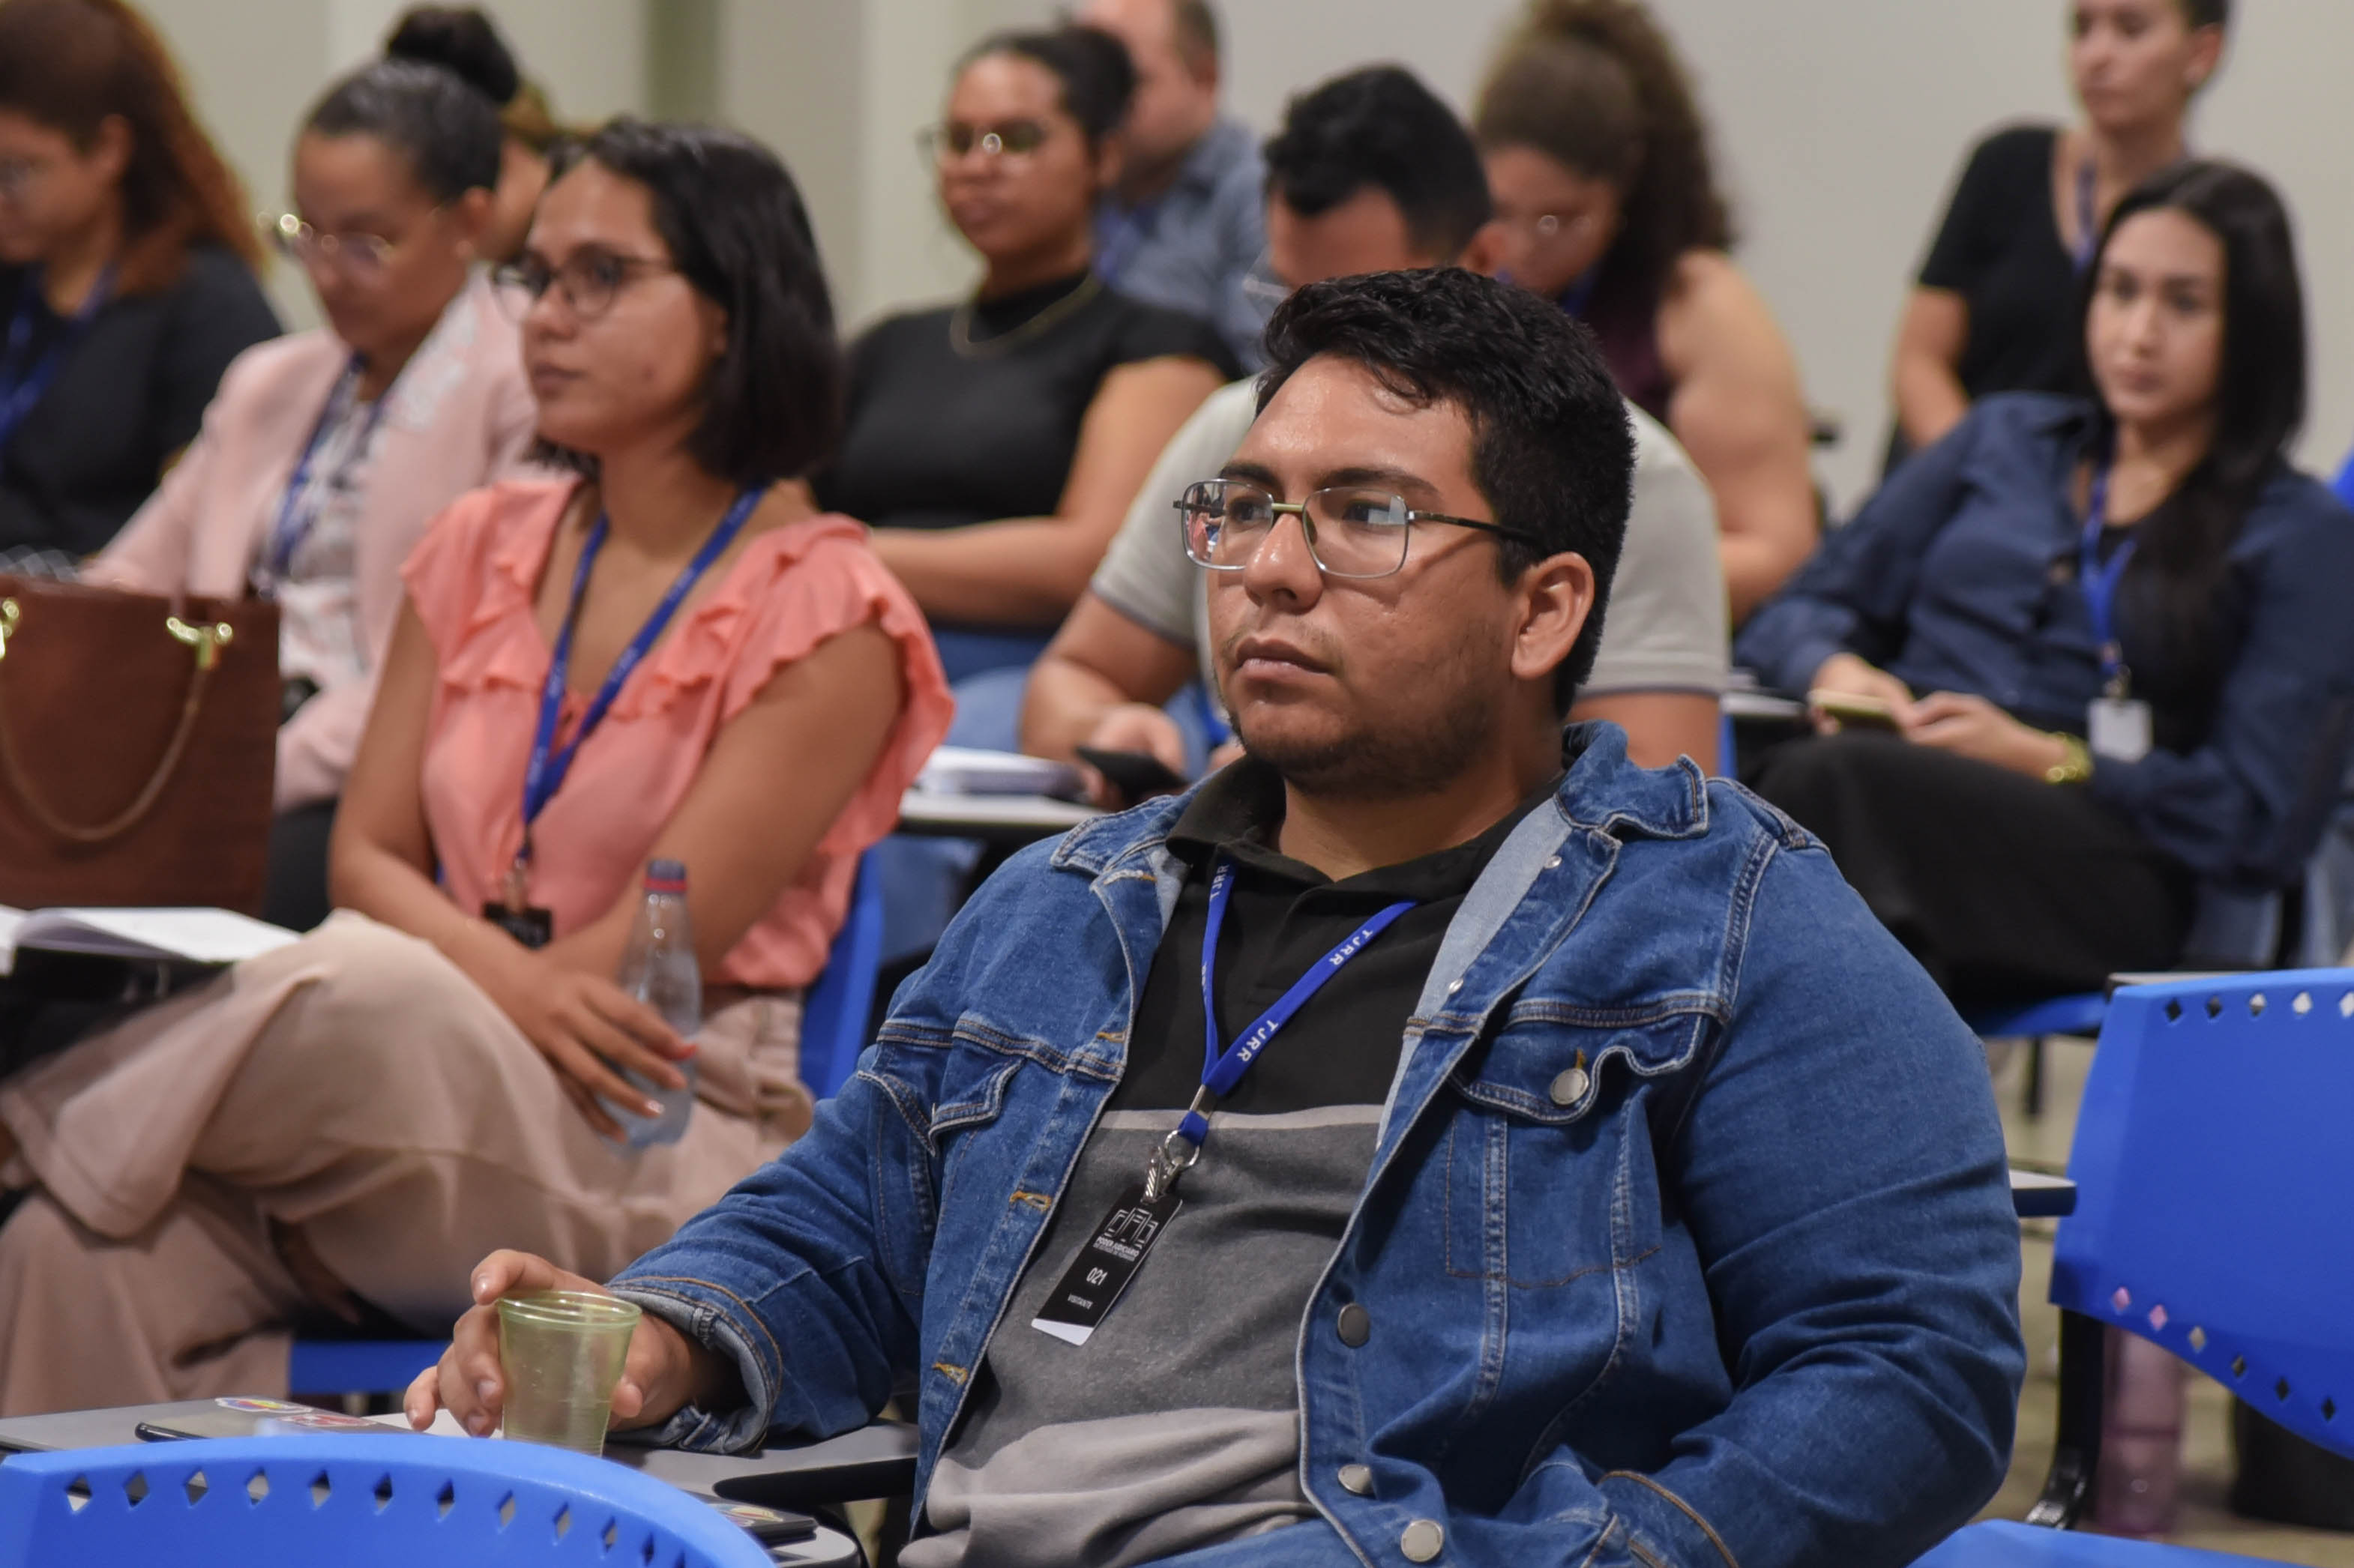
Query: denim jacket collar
point(1601, 790)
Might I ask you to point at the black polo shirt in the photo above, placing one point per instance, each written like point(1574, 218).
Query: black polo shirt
point(129, 394)
point(1282, 918)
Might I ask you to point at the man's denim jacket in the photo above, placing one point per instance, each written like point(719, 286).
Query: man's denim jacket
point(1687, 1240)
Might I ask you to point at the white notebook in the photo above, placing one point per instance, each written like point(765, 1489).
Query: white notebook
point(181, 935)
point(964, 771)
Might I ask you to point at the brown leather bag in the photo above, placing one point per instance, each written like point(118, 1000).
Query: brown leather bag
point(138, 739)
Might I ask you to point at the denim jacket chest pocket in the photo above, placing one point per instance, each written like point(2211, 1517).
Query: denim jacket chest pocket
point(1551, 1178)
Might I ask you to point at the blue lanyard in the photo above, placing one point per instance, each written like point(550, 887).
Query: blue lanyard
point(543, 775)
point(1223, 1066)
point(2099, 581)
point(296, 519)
point(2088, 240)
point(23, 386)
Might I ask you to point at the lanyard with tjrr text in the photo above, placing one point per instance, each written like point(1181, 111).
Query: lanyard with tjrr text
point(1223, 1066)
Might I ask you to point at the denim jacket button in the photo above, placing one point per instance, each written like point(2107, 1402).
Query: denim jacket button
point(1357, 1480)
point(1356, 1325)
point(1569, 1087)
point(1453, 986)
point(1421, 1540)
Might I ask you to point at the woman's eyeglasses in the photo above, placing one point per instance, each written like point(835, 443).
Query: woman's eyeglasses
point(1352, 531)
point(589, 280)
point(956, 139)
point(360, 257)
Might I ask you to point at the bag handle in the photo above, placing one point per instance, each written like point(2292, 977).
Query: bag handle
point(207, 641)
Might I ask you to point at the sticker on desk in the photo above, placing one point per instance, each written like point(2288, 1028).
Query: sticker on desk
point(266, 1406)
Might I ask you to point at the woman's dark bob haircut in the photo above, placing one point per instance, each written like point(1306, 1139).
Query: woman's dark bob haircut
point(733, 223)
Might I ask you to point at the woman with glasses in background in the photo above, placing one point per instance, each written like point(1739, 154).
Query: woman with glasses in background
point(705, 671)
point(1598, 163)
point(995, 446)
point(327, 453)
point(126, 273)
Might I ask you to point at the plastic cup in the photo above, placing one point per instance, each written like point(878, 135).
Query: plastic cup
point(562, 1351)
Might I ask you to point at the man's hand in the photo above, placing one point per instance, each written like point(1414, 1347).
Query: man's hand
point(1132, 726)
point(1973, 726)
point(1850, 676)
point(665, 1370)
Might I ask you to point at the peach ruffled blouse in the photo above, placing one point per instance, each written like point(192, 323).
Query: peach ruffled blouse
point(472, 581)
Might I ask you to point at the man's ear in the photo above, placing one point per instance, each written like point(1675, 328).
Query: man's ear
point(1556, 599)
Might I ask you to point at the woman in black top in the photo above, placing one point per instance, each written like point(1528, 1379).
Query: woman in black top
point(126, 271)
point(1995, 309)
point(995, 446)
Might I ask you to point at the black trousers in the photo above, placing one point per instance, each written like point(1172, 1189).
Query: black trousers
point(2006, 888)
point(297, 897)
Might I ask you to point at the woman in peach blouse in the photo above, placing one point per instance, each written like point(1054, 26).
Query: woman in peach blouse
point(343, 1127)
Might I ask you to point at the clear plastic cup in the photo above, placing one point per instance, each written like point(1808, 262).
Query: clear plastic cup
point(562, 1351)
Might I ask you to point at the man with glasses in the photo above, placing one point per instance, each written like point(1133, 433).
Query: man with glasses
point(1433, 1139)
point(1181, 226)
point(1371, 173)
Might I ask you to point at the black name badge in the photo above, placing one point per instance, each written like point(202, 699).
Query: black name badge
point(1088, 1290)
point(534, 928)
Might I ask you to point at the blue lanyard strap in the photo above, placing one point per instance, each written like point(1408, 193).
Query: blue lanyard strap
point(543, 774)
point(298, 510)
point(22, 387)
point(2099, 580)
point(1223, 1066)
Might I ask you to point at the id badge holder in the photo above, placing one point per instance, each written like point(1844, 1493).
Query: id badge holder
point(515, 914)
point(2118, 729)
point(1097, 1278)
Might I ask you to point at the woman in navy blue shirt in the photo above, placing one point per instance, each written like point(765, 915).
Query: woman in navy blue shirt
point(2108, 636)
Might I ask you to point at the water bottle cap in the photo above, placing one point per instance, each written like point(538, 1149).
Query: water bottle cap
point(665, 876)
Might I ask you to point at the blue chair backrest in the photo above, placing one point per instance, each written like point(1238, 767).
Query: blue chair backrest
point(834, 1014)
point(358, 1501)
point(2215, 1183)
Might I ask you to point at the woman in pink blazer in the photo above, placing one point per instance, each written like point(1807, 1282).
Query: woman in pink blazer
point(323, 455)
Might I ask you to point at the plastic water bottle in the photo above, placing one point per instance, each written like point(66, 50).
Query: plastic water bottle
point(659, 968)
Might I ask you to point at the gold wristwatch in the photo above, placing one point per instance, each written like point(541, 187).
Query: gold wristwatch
point(2075, 764)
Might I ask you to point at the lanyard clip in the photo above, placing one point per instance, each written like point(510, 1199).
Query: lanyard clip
point(516, 892)
point(1179, 1151)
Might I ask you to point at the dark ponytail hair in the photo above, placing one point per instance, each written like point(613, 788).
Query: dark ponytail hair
point(1097, 76)
point(2177, 577)
point(461, 39)
point(447, 129)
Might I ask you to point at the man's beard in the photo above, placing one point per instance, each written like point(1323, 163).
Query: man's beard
point(1387, 763)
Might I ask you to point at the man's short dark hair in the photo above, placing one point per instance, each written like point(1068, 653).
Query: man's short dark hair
point(1380, 127)
point(733, 223)
point(1551, 447)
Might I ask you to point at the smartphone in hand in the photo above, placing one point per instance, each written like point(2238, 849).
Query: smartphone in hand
point(1138, 775)
point(1854, 712)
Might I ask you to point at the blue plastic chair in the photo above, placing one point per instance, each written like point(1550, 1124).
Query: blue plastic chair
point(2006, 1545)
point(2215, 1183)
point(835, 1015)
point(358, 1501)
point(834, 1033)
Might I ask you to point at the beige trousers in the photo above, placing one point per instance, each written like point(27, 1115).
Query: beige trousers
point(359, 1089)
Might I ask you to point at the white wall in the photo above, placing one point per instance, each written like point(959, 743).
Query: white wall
point(1840, 124)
